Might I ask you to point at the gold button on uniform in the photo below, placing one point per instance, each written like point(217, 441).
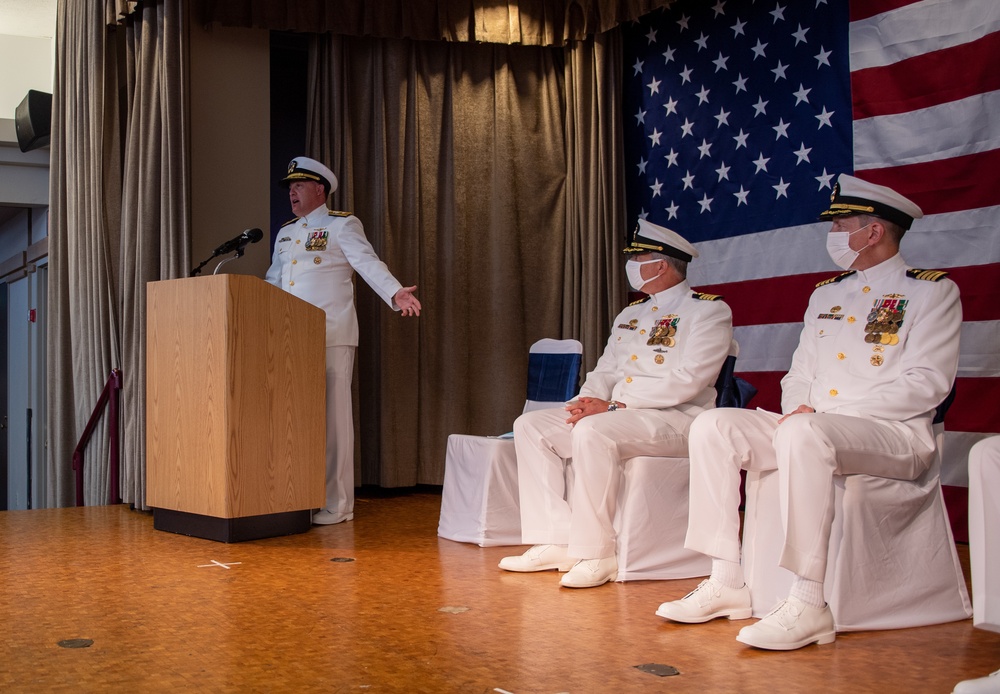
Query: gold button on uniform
point(642, 332)
point(841, 356)
point(833, 392)
point(295, 262)
point(317, 260)
point(655, 309)
point(633, 357)
point(851, 319)
point(298, 240)
point(628, 379)
point(865, 290)
point(292, 283)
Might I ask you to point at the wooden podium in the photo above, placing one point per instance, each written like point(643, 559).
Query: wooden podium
point(235, 408)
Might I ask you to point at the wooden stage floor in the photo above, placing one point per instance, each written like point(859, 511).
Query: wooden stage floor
point(383, 605)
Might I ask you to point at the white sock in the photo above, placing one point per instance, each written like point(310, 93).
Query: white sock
point(809, 592)
point(728, 573)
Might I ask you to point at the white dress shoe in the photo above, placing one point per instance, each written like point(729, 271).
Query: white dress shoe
point(539, 558)
point(709, 600)
point(590, 573)
point(792, 624)
point(324, 517)
point(983, 685)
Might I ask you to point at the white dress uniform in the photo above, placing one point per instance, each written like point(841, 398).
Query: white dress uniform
point(661, 360)
point(984, 532)
point(877, 353)
point(315, 258)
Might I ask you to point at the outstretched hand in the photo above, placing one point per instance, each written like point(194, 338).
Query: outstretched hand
point(407, 302)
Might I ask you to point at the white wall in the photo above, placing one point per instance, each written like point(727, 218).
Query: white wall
point(26, 62)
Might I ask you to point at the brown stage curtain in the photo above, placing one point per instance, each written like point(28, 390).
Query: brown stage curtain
point(484, 174)
point(525, 22)
point(119, 196)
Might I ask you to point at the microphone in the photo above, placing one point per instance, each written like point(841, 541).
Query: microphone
point(236, 244)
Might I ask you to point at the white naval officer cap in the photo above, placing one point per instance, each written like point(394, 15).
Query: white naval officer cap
point(853, 196)
point(652, 238)
point(306, 169)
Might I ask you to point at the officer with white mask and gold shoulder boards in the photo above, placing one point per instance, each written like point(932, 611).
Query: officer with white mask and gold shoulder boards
point(877, 354)
point(658, 372)
point(315, 258)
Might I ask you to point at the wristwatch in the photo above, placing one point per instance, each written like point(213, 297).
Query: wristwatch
point(614, 405)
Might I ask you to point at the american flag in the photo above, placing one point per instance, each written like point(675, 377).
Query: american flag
point(739, 116)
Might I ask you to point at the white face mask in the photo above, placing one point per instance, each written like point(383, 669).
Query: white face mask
point(838, 245)
point(633, 270)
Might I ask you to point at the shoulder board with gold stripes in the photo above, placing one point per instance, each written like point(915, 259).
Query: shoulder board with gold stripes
point(841, 276)
point(641, 301)
point(290, 221)
point(705, 297)
point(929, 275)
point(337, 213)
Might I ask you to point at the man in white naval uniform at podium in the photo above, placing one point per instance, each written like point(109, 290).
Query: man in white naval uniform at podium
point(315, 257)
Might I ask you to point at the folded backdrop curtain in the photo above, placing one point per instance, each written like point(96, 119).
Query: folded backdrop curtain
point(118, 182)
point(85, 208)
point(488, 176)
point(155, 233)
point(525, 22)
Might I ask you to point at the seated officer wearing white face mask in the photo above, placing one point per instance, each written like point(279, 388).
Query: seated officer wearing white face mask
point(657, 373)
point(877, 354)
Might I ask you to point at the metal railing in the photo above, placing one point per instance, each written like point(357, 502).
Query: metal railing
point(109, 397)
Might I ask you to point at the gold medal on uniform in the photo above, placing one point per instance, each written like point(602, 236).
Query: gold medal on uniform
point(663, 332)
point(317, 240)
point(884, 321)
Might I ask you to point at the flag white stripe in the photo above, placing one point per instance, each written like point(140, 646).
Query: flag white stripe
point(770, 347)
point(957, 128)
point(955, 456)
point(969, 237)
point(920, 28)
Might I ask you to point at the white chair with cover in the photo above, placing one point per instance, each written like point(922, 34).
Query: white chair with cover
point(892, 557)
point(479, 500)
point(652, 516)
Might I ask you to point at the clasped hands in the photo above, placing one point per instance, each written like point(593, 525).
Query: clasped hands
point(584, 407)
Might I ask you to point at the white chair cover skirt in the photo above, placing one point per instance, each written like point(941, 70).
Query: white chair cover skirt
point(652, 520)
point(984, 532)
point(479, 500)
point(892, 557)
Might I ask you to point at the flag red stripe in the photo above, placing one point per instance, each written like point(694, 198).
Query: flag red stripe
point(929, 79)
point(870, 8)
point(980, 286)
point(784, 299)
point(768, 385)
point(975, 407)
point(946, 185)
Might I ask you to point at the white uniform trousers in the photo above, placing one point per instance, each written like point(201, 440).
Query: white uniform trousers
point(339, 430)
point(807, 450)
point(597, 446)
point(984, 532)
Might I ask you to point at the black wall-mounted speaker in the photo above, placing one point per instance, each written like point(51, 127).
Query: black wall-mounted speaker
point(33, 120)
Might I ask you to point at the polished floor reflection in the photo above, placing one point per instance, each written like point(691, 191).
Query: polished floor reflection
point(382, 604)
